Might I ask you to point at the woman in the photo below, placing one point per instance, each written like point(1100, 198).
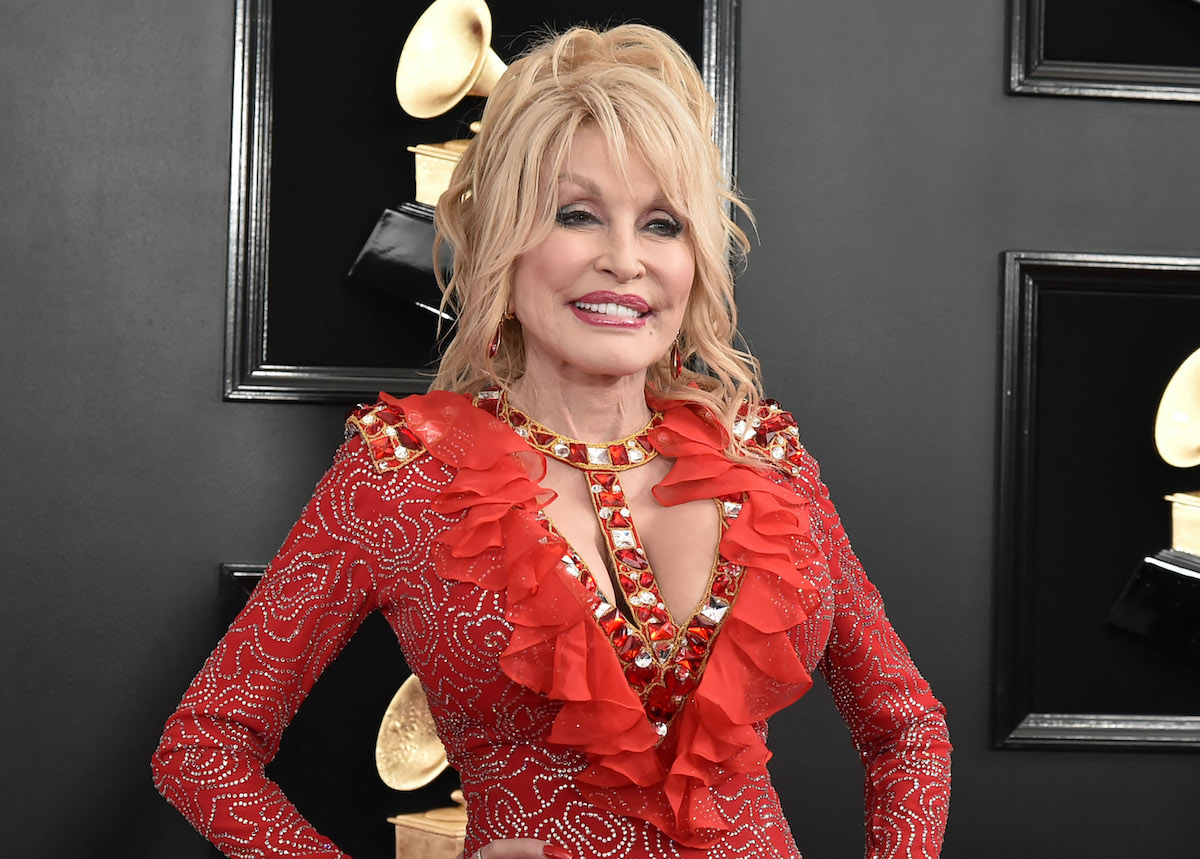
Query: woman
point(607, 568)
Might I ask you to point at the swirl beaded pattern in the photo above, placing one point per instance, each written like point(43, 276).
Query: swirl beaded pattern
point(373, 537)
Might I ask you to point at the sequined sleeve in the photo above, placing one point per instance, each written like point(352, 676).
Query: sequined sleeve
point(897, 726)
point(313, 596)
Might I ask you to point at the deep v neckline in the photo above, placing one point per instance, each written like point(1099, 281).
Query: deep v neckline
point(662, 658)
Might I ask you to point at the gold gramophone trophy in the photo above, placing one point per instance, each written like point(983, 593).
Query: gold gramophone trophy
point(1177, 437)
point(1162, 599)
point(446, 57)
point(408, 756)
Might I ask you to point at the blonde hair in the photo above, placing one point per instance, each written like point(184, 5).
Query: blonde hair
point(642, 91)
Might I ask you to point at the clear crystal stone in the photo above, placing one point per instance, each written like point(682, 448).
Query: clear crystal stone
point(597, 488)
point(643, 659)
point(662, 650)
point(732, 509)
point(642, 598)
point(390, 431)
point(561, 449)
point(635, 455)
point(605, 513)
point(715, 609)
point(368, 419)
point(616, 487)
point(625, 512)
point(778, 453)
point(599, 456)
point(622, 538)
point(660, 728)
point(489, 395)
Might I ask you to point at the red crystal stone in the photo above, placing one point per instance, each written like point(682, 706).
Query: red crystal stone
point(662, 631)
point(628, 646)
point(605, 479)
point(516, 419)
point(628, 585)
point(577, 452)
point(611, 622)
point(620, 636)
point(408, 439)
point(659, 705)
point(617, 520)
point(542, 439)
point(646, 579)
point(723, 586)
point(638, 676)
point(389, 418)
point(611, 499)
point(619, 454)
point(679, 682)
point(631, 559)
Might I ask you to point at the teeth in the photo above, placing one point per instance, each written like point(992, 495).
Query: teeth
point(609, 309)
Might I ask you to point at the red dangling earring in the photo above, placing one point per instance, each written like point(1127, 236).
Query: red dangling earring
point(497, 339)
point(676, 359)
point(494, 346)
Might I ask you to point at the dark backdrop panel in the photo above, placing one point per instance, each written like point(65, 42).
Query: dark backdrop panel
point(1103, 359)
point(1140, 32)
point(338, 158)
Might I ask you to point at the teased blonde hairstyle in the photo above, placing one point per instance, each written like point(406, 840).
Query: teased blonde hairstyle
point(642, 91)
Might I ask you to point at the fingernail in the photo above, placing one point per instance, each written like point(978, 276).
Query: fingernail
point(553, 851)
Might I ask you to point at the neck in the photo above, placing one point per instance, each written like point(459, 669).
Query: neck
point(591, 410)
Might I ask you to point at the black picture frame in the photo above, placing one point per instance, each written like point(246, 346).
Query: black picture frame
point(1141, 49)
point(326, 762)
point(1088, 343)
point(294, 330)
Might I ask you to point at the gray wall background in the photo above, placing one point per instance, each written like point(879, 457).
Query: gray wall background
point(887, 169)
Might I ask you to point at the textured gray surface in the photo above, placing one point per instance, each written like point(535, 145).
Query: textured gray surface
point(888, 170)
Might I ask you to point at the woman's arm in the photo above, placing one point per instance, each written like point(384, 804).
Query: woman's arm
point(897, 725)
point(313, 596)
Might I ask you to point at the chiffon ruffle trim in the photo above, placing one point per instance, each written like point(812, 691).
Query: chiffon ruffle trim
point(559, 650)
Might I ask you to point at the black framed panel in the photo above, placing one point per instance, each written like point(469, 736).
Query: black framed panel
point(1089, 343)
point(326, 761)
point(1146, 49)
point(318, 152)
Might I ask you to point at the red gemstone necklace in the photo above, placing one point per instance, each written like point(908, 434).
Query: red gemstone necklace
point(662, 661)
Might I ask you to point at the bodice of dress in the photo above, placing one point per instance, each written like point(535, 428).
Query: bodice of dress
point(430, 514)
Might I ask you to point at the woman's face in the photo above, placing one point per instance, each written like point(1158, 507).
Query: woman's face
point(604, 294)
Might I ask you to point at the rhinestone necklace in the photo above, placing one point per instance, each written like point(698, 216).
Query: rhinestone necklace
point(662, 661)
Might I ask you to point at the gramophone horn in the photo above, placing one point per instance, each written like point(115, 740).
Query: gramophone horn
point(446, 57)
point(408, 753)
point(1177, 426)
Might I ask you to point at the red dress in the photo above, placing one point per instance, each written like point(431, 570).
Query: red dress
point(430, 515)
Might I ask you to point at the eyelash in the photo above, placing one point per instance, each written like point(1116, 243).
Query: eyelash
point(664, 226)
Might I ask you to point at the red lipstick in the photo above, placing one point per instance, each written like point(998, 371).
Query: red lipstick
point(627, 300)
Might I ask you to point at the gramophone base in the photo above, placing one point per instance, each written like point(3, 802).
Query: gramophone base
point(1161, 602)
point(437, 834)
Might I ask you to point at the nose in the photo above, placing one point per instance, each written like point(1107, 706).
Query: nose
point(621, 258)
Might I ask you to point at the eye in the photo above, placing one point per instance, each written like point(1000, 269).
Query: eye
point(665, 226)
point(569, 216)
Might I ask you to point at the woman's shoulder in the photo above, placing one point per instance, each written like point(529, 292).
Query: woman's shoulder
point(453, 429)
point(769, 431)
point(387, 439)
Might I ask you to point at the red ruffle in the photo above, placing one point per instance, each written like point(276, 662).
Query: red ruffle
point(559, 650)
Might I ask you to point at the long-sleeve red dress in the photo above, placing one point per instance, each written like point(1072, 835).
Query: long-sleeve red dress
point(567, 721)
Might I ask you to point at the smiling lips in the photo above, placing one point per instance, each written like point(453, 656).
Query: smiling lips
point(611, 309)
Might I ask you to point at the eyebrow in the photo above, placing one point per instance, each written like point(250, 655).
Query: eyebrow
point(592, 189)
point(586, 184)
